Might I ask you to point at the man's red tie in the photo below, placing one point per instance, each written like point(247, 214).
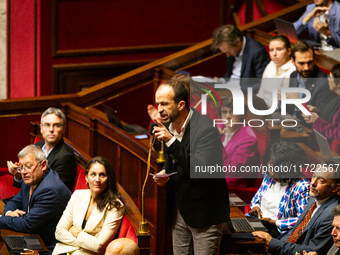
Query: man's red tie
point(297, 232)
point(29, 200)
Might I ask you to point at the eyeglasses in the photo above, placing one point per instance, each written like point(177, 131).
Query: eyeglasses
point(55, 126)
point(27, 168)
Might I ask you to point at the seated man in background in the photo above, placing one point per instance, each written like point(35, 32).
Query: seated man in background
point(282, 196)
point(41, 201)
point(321, 20)
point(60, 158)
point(307, 76)
point(312, 231)
point(246, 57)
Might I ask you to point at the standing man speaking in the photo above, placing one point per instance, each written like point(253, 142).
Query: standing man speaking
point(196, 207)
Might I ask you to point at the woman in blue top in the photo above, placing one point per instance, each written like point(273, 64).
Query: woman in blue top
point(284, 180)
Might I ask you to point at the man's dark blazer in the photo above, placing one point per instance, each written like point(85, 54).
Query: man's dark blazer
point(62, 160)
point(46, 207)
point(201, 202)
point(317, 234)
point(317, 84)
point(255, 58)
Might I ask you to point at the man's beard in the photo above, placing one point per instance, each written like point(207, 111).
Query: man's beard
point(174, 115)
point(303, 74)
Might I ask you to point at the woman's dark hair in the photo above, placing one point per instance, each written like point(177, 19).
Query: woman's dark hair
point(109, 196)
point(336, 73)
point(286, 155)
point(283, 39)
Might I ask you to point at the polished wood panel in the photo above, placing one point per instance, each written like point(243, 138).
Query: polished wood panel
point(314, 158)
point(72, 78)
point(131, 80)
point(3, 249)
point(2, 206)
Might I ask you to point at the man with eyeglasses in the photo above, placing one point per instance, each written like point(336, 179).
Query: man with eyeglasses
point(312, 231)
point(60, 158)
point(41, 201)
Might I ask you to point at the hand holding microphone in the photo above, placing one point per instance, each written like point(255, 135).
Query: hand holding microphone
point(161, 132)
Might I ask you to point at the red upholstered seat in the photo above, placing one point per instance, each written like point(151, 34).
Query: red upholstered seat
point(37, 139)
point(7, 189)
point(80, 179)
point(270, 5)
point(336, 146)
point(246, 194)
point(126, 230)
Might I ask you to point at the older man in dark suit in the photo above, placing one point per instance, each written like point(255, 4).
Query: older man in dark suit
point(246, 57)
point(41, 201)
point(312, 231)
point(60, 158)
point(197, 205)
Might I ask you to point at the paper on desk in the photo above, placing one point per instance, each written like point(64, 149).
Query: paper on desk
point(201, 78)
point(163, 175)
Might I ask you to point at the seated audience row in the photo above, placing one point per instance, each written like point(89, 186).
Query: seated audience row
point(91, 218)
point(255, 64)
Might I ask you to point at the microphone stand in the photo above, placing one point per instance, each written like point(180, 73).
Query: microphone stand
point(143, 226)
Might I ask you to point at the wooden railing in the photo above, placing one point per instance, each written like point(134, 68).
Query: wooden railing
point(158, 70)
point(266, 23)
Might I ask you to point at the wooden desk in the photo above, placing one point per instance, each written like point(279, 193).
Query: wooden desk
point(2, 206)
point(274, 132)
point(229, 246)
point(296, 136)
point(3, 248)
point(6, 232)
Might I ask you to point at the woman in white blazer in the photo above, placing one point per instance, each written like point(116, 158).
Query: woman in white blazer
point(92, 217)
